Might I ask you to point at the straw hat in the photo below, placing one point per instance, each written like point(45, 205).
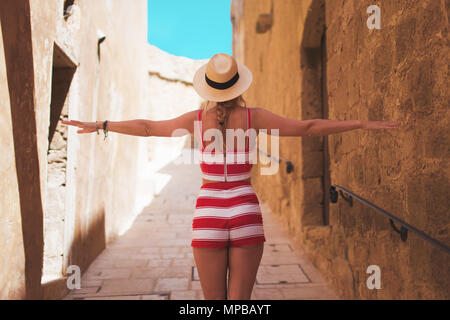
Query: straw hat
point(222, 78)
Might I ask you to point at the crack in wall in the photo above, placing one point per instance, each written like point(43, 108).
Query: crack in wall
point(160, 76)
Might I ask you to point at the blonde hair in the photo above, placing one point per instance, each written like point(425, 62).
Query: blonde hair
point(223, 110)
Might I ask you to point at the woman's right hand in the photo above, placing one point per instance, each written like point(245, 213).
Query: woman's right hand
point(87, 127)
point(376, 125)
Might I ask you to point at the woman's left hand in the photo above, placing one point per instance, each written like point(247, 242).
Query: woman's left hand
point(86, 127)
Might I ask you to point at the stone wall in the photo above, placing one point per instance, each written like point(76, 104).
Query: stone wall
point(74, 193)
point(12, 262)
point(397, 73)
point(168, 94)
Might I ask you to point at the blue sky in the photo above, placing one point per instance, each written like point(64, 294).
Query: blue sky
point(196, 29)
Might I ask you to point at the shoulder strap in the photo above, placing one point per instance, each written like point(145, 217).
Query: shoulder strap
point(248, 127)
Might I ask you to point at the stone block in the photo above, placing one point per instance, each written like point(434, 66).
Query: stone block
point(281, 274)
point(148, 273)
point(267, 294)
point(101, 274)
point(172, 284)
point(155, 297)
point(127, 286)
point(183, 295)
point(116, 297)
point(317, 292)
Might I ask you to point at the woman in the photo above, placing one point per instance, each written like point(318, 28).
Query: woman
point(228, 233)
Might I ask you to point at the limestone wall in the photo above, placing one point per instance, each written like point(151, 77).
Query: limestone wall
point(168, 94)
point(77, 192)
point(397, 73)
point(12, 268)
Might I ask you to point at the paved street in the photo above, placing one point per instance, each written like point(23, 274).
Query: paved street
point(153, 259)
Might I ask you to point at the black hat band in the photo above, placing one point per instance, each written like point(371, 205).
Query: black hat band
point(222, 85)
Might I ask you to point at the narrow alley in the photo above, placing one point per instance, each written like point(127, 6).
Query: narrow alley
point(114, 209)
point(153, 259)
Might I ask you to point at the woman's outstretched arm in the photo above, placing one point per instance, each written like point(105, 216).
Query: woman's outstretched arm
point(141, 127)
point(166, 128)
point(264, 119)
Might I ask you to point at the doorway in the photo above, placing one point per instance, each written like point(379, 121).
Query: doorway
point(326, 156)
point(62, 74)
point(314, 97)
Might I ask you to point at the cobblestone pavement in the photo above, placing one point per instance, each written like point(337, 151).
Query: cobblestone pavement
point(153, 259)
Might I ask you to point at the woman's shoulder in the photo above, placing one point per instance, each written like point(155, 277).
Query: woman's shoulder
point(255, 110)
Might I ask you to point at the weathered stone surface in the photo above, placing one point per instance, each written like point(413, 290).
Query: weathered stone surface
point(398, 73)
point(183, 295)
point(50, 172)
point(126, 286)
point(312, 214)
point(172, 68)
point(264, 23)
point(168, 94)
point(172, 284)
point(284, 265)
point(21, 191)
point(86, 184)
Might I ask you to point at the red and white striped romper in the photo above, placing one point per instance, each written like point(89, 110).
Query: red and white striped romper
point(227, 212)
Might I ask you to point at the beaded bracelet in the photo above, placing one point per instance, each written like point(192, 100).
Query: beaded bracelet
point(105, 128)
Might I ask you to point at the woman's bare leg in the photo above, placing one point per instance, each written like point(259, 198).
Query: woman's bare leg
point(243, 263)
point(212, 266)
